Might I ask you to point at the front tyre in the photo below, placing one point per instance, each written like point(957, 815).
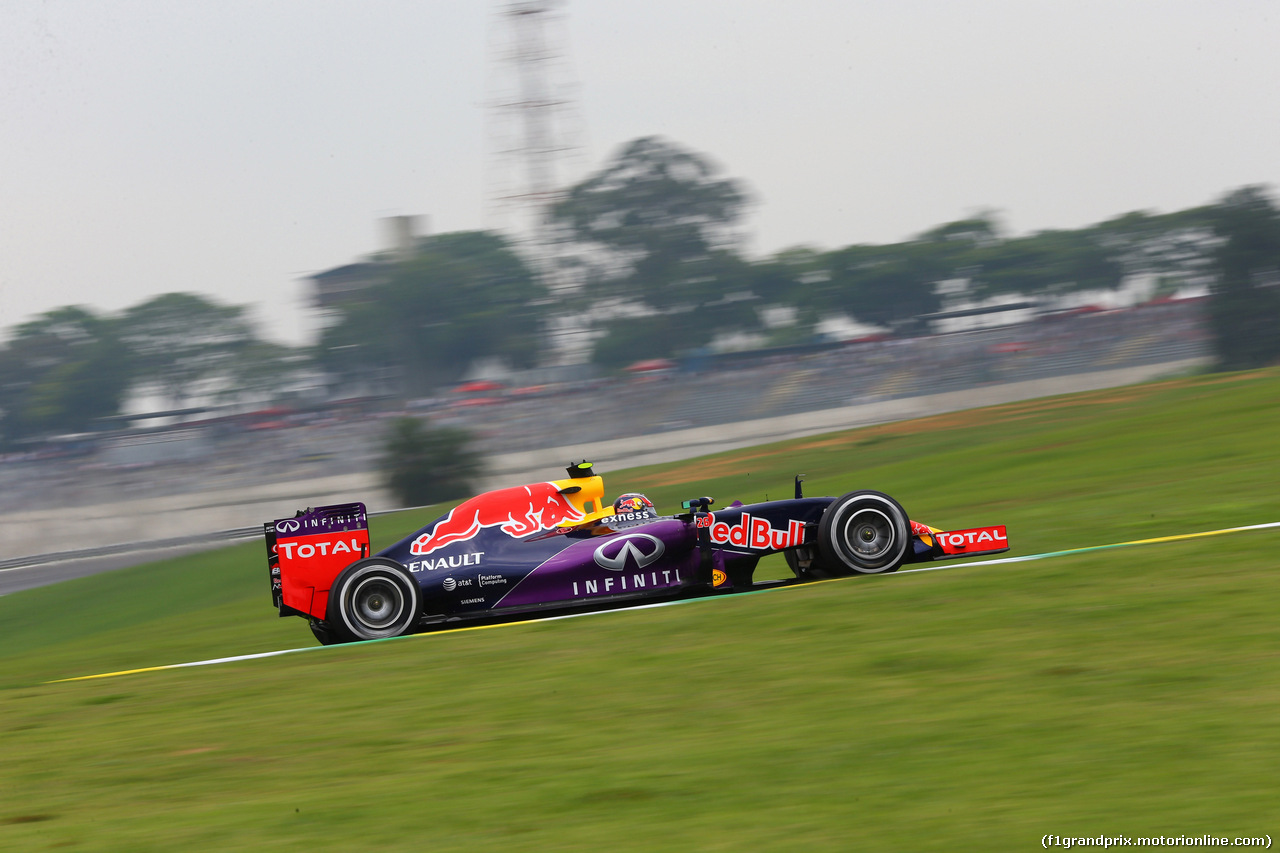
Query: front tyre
point(866, 533)
point(373, 599)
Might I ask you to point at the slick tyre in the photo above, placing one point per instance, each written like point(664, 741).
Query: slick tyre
point(865, 533)
point(371, 600)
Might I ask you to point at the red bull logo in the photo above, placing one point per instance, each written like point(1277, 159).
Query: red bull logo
point(924, 531)
point(757, 533)
point(518, 511)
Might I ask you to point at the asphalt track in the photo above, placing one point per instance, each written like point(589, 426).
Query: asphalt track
point(1001, 561)
point(20, 577)
point(19, 573)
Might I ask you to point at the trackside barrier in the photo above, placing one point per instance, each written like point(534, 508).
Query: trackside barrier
point(233, 535)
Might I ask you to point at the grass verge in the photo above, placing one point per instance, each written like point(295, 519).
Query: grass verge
point(1132, 691)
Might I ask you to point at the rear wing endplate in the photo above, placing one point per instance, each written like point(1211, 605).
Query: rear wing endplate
point(314, 543)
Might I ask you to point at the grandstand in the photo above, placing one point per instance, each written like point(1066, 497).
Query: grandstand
point(743, 387)
point(770, 385)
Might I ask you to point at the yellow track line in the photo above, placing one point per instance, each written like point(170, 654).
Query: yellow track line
point(1027, 558)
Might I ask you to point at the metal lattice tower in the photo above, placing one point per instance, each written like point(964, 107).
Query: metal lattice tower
point(533, 125)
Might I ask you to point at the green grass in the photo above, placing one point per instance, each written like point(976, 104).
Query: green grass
point(1132, 691)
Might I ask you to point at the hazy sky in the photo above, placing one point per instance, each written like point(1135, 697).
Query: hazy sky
point(232, 147)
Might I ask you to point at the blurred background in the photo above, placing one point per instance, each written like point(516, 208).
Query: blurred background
point(242, 244)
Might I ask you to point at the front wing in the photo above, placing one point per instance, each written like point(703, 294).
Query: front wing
point(933, 544)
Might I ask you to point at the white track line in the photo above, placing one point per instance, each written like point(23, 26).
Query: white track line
point(997, 562)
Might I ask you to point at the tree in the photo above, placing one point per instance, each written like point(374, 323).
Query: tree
point(982, 229)
point(1245, 306)
point(1047, 262)
point(59, 372)
point(465, 296)
point(262, 370)
point(658, 220)
point(651, 211)
point(888, 285)
point(877, 284)
point(1177, 248)
point(626, 340)
point(426, 465)
point(184, 344)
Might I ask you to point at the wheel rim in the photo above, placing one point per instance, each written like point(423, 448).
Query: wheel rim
point(870, 535)
point(377, 603)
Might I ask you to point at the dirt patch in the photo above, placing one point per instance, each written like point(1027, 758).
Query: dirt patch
point(726, 467)
point(1090, 398)
point(845, 439)
point(732, 465)
point(1224, 378)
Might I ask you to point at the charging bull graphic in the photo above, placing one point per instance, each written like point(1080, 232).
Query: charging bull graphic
point(518, 511)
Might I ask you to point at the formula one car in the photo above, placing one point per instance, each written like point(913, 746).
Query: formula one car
point(556, 546)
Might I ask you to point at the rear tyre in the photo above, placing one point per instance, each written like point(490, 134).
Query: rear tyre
point(371, 600)
point(864, 533)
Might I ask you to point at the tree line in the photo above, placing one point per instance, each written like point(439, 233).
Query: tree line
point(67, 368)
point(649, 256)
point(648, 260)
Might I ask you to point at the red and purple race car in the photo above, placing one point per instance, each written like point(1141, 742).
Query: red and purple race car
point(557, 546)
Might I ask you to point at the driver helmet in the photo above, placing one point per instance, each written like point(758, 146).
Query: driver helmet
point(634, 505)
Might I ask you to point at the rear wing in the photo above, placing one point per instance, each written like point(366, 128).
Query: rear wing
point(305, 553)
